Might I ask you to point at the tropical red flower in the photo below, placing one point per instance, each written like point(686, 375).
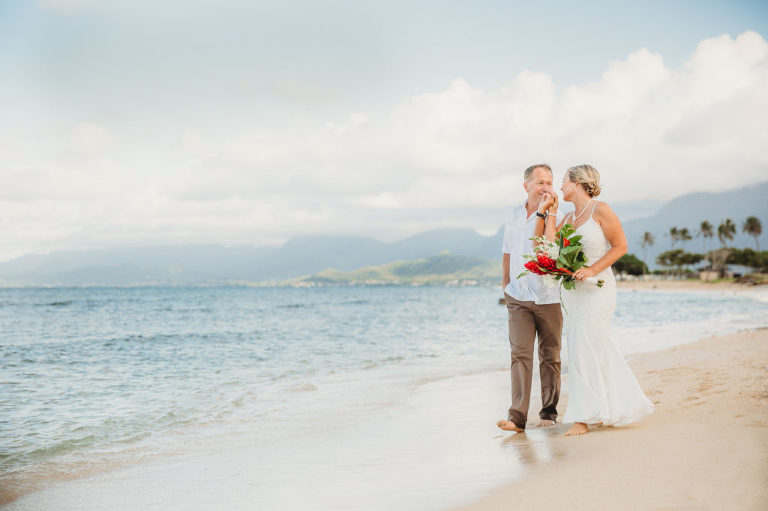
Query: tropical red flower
point(546, 261)
point(532, 267)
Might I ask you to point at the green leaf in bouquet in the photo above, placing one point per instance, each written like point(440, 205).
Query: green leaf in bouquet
point(575, 239)
point(568, 284)
point(569, 249)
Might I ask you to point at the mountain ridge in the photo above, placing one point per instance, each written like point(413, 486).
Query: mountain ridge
point(307, 255)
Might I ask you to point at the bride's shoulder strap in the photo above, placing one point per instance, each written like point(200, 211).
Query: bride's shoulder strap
point(594, 207)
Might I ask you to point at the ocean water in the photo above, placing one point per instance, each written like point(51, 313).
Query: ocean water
point(95, 378)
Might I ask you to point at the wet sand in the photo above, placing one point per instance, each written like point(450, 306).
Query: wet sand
point(438, 448)
point(705, 447)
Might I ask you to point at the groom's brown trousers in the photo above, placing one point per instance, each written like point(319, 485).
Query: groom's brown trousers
point(526, 319)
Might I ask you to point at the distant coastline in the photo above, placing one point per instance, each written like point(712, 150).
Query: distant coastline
point(330, 259)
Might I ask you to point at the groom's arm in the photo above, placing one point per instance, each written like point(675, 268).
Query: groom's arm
point(505, 271)
point(548, 226)
point(506, 246)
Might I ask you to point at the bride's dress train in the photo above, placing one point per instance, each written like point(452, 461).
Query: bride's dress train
point(601, 386)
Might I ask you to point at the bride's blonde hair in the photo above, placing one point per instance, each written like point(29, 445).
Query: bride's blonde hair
point(587, 176)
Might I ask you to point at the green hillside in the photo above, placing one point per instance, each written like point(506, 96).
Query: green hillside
point(443, 269)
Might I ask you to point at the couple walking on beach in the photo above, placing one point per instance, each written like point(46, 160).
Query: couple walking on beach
point(601, 386)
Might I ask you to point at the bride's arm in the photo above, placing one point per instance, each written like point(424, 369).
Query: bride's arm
point(614, 233)
point(563, 221)
point(553, 226)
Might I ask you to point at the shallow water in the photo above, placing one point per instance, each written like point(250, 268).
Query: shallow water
point(95, 378)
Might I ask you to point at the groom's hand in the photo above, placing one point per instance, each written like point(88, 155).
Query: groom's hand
point(552, 210)
point(546, 202)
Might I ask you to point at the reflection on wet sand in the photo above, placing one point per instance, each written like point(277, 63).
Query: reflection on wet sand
point(537, 446)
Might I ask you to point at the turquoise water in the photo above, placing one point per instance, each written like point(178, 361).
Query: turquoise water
point(99, 373)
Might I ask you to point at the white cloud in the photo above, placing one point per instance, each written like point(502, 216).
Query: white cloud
point(452, 157)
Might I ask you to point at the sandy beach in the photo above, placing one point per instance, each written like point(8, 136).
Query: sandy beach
point(705, 447)
point(684, 285)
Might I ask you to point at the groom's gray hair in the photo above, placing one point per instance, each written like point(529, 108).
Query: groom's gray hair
point(529, 171)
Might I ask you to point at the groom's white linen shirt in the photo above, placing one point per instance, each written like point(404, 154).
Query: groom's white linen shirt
point(518, 231)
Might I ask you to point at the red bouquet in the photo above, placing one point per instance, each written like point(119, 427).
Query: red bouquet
point(558, 260)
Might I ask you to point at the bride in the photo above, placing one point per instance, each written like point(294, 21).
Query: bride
point(601, 386)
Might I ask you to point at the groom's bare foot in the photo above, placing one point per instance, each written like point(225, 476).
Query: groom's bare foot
point(579, 428)
point(509, 426)
point(545, 423)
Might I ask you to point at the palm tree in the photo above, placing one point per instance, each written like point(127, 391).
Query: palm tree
point(726, 230)
point(706, 231)
point(673, 236)
point(683, 235)
point(647, 242)
point(754, 228)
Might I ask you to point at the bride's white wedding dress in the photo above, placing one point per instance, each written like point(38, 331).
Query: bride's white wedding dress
point(601, 386)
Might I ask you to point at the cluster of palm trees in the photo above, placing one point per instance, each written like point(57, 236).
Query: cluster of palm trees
point(725, 232)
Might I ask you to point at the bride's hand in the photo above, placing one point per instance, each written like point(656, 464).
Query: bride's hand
point(584, 273)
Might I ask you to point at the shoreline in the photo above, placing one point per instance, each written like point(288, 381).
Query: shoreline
point(704, 447)
point(494, 461)
point(687, 285)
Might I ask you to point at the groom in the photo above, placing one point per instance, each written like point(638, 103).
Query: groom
point(532, 307)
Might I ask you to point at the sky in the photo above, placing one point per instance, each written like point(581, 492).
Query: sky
point(126, 123)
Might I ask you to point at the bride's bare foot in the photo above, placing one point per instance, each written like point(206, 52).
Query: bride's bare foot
point(509, 426)
point(545, 423)
point(578, 428)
